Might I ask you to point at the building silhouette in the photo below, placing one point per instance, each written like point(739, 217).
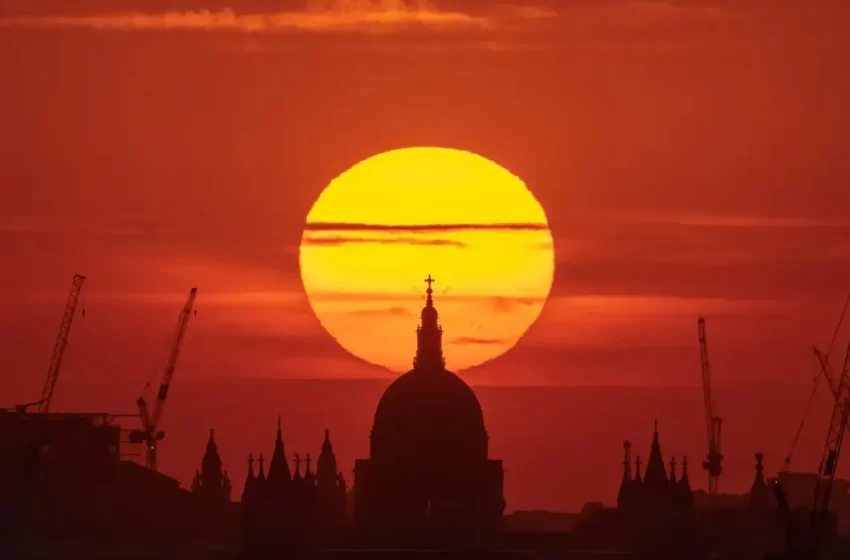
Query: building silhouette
point(655, 508)
point(212, 483)
point(288, 509)
point(655, 493)
point(428, 469)
point(760, 497)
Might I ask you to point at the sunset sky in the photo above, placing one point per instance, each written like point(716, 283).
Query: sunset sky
point(691, 158)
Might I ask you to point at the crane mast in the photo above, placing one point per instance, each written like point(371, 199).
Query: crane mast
point(713, 462)
point(149, 435)
point(832, 448)
point(61, 344)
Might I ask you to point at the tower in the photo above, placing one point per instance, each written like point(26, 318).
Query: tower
point(212, 484)
point(428, 468)
point(429, 335)
point(330, 487)
point(655, 478)
point(759, 496)
point(279, 476)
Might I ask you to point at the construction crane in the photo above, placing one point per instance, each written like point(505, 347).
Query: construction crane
point(832, 448)
point(58, 348)
point(829, 462)
point(149, 434)
point(713, 462)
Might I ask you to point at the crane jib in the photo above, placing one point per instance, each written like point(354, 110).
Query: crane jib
point(151, 424)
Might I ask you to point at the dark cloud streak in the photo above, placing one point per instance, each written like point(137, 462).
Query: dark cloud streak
point(340, 226)
point(336, 241)
point(469, 340)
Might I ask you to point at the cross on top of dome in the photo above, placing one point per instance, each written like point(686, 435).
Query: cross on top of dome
point(429, 291)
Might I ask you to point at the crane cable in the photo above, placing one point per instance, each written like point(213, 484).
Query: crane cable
point(817, 378)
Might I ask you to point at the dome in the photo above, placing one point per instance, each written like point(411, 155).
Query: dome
point(429, 409)
point(422, 394)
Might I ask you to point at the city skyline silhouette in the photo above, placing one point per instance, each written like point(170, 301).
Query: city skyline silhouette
point(583, 189)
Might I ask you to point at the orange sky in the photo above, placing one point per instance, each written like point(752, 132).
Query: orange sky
point(690, 156)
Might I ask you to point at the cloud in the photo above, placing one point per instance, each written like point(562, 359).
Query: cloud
point(465, 340)
point(502, 304)
point(397, 311)
point(336, 241)
point(339, 226)
point(317, 16)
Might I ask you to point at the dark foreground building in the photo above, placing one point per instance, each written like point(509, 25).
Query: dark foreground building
point(285, 511)
point(66, 493)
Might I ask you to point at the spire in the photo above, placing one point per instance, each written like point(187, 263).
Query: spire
point(686, 497)
point(308, 476)
point(637, 470)
point(626, 484)
point(279, 468)
point(429, 334)
point(759, 496)
point(326, 467)
point(655, 476)
point(627, 460)
point(211, 463)
point(209, 481)
point(261, 475)
point(250, 481)
point(672, 470)
point(297, 475)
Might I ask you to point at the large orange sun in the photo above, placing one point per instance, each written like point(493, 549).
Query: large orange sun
point(380, 228)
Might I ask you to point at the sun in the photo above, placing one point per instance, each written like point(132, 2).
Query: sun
point(379, 229)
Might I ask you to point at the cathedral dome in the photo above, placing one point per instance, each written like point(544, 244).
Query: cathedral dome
point(430, 399)
point(432, 411)
point(429, 413)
